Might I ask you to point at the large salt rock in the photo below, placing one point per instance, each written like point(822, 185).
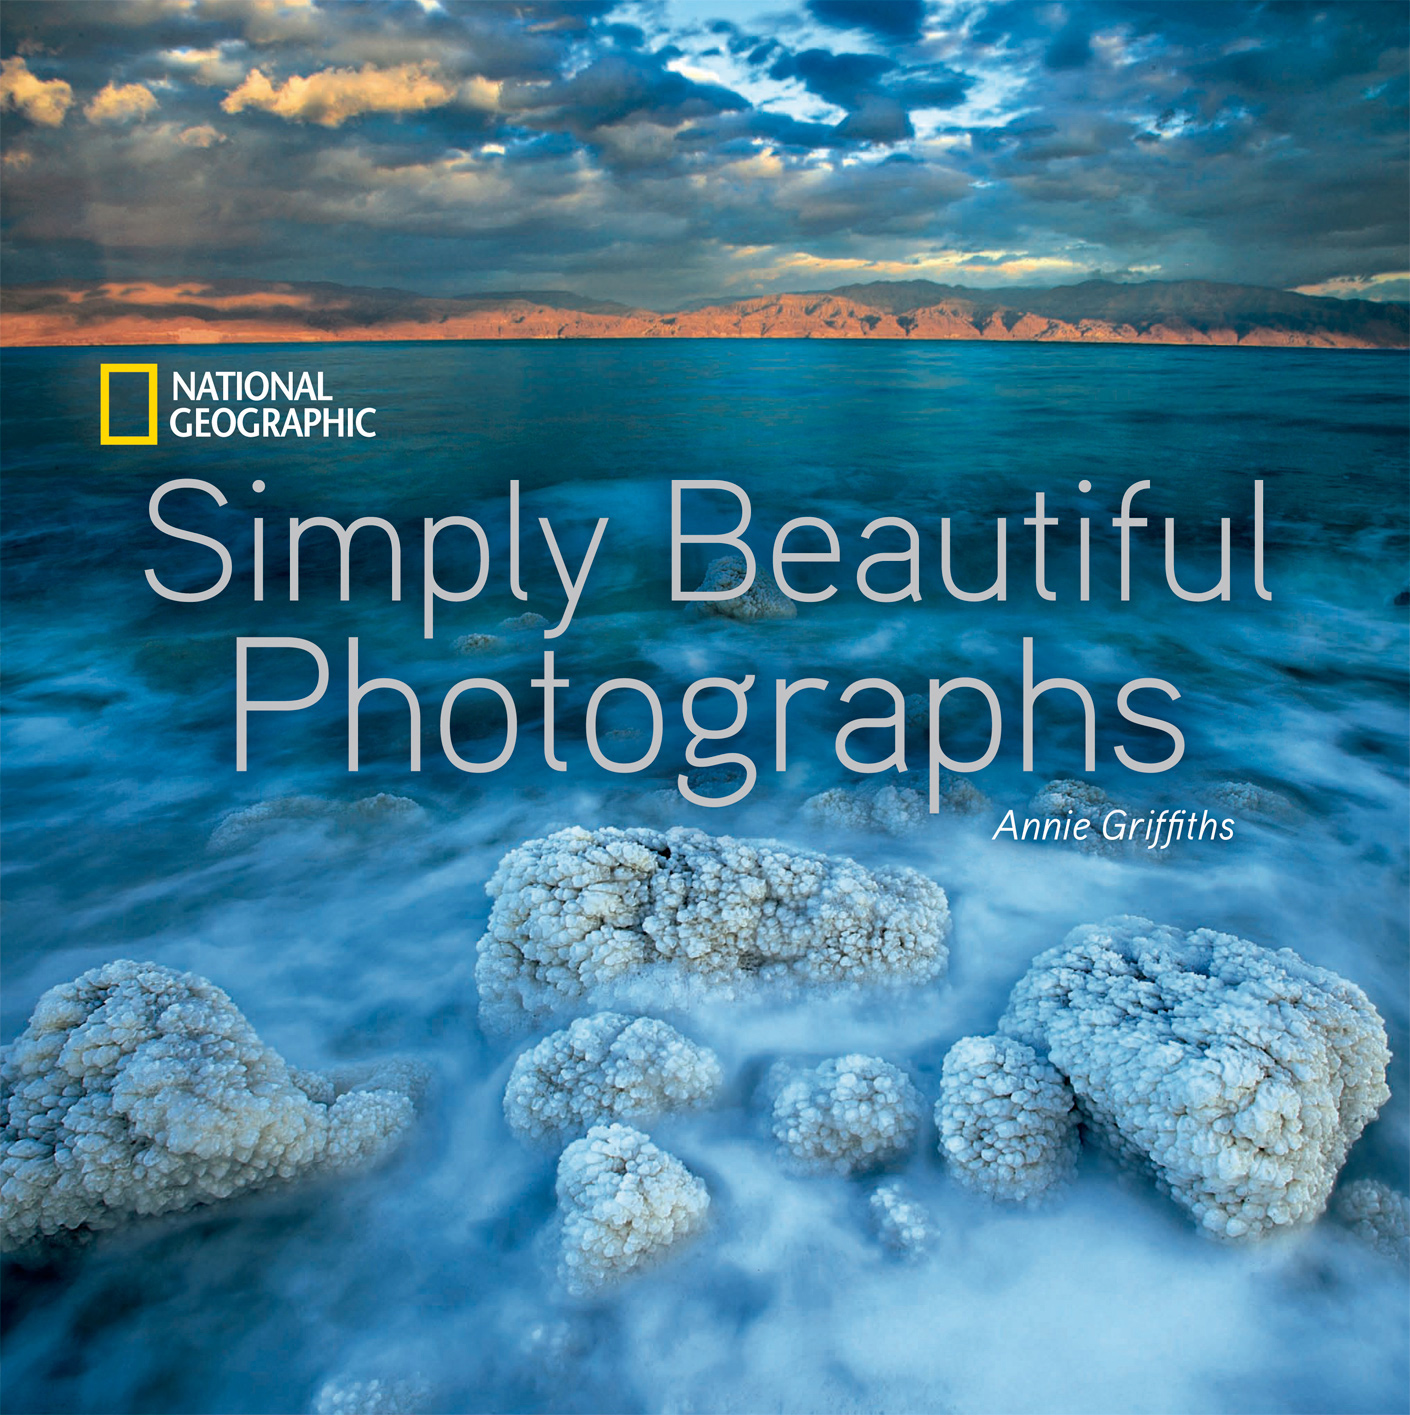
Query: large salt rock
point(1241, 1076)
point(584, 914)
point(139, 1090)
point(624, 1203)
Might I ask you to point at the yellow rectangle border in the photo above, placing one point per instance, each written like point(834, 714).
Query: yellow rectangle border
point(108, 440)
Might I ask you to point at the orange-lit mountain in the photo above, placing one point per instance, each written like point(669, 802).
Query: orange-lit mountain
point(1098, 311)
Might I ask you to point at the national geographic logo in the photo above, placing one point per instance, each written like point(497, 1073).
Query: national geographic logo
point(107, 436)
point(246, 404)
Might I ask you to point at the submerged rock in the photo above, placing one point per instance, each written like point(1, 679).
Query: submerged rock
point(762, 600)
point(901, 1223)
point(1377, 1214)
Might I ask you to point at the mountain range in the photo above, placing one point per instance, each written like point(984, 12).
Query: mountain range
point(1096, 311)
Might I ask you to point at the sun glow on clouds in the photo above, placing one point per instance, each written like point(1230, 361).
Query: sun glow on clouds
point(981, 267)
point(332, 96)
point(1389, 285)
point(42, 101)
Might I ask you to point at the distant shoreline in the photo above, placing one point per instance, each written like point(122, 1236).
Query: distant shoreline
point(1178, 313)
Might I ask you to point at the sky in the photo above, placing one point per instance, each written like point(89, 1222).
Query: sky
point(661, 152)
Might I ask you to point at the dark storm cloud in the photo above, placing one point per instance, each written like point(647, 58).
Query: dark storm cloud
point(887, 19)
point(659, 149)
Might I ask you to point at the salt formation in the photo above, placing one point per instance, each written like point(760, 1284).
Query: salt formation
point(1006, 1120)
point(762, 600)
point(851, 1113)
point(624, 1202)
point(1376, 1213)
point(522, 623)
point(602, 1068)
point(900, 1222)
point(240, 828)
point(1068, 798)
point(1245, 798)
point(1241, 1076)
point(893, 810)
point(476, 643)
point(139, 1090)
point(582, 913)
point(375, 1397)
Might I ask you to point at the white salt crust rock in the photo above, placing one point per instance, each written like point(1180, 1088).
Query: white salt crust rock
point(602, 1068)
point(623, 1204)
point(1240, 1076)
point(762, 600)
point(583, 914)
point(139, 1090)
point(1006, 1120)
point(1378, 1215)
point(849, 1114)
point(901, 1223)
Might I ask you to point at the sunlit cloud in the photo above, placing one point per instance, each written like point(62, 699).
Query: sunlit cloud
point(42, 101)
point(120, 103)
point(332, 96)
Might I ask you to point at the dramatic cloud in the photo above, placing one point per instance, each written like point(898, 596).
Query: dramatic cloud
point(43, 101)
point(666, 150)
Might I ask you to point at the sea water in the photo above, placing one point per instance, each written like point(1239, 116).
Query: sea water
point(346, 934)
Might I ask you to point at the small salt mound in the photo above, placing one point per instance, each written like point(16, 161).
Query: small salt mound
point(139, 1090)
point(1246, 799)
point(1377, 1214)
point(1070, 799)
point(890, 810)
point(476, 643)
point(762, 600)
point(1006, 1119)
point(602, 1068)
point(849, 1114)
point(410, 1396)
point(901, 1224)
point(522, 623)
point(624, 1203)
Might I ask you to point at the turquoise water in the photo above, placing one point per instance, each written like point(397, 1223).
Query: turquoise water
point(342, 937)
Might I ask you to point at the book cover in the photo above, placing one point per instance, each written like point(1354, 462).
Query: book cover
point(705, 707)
